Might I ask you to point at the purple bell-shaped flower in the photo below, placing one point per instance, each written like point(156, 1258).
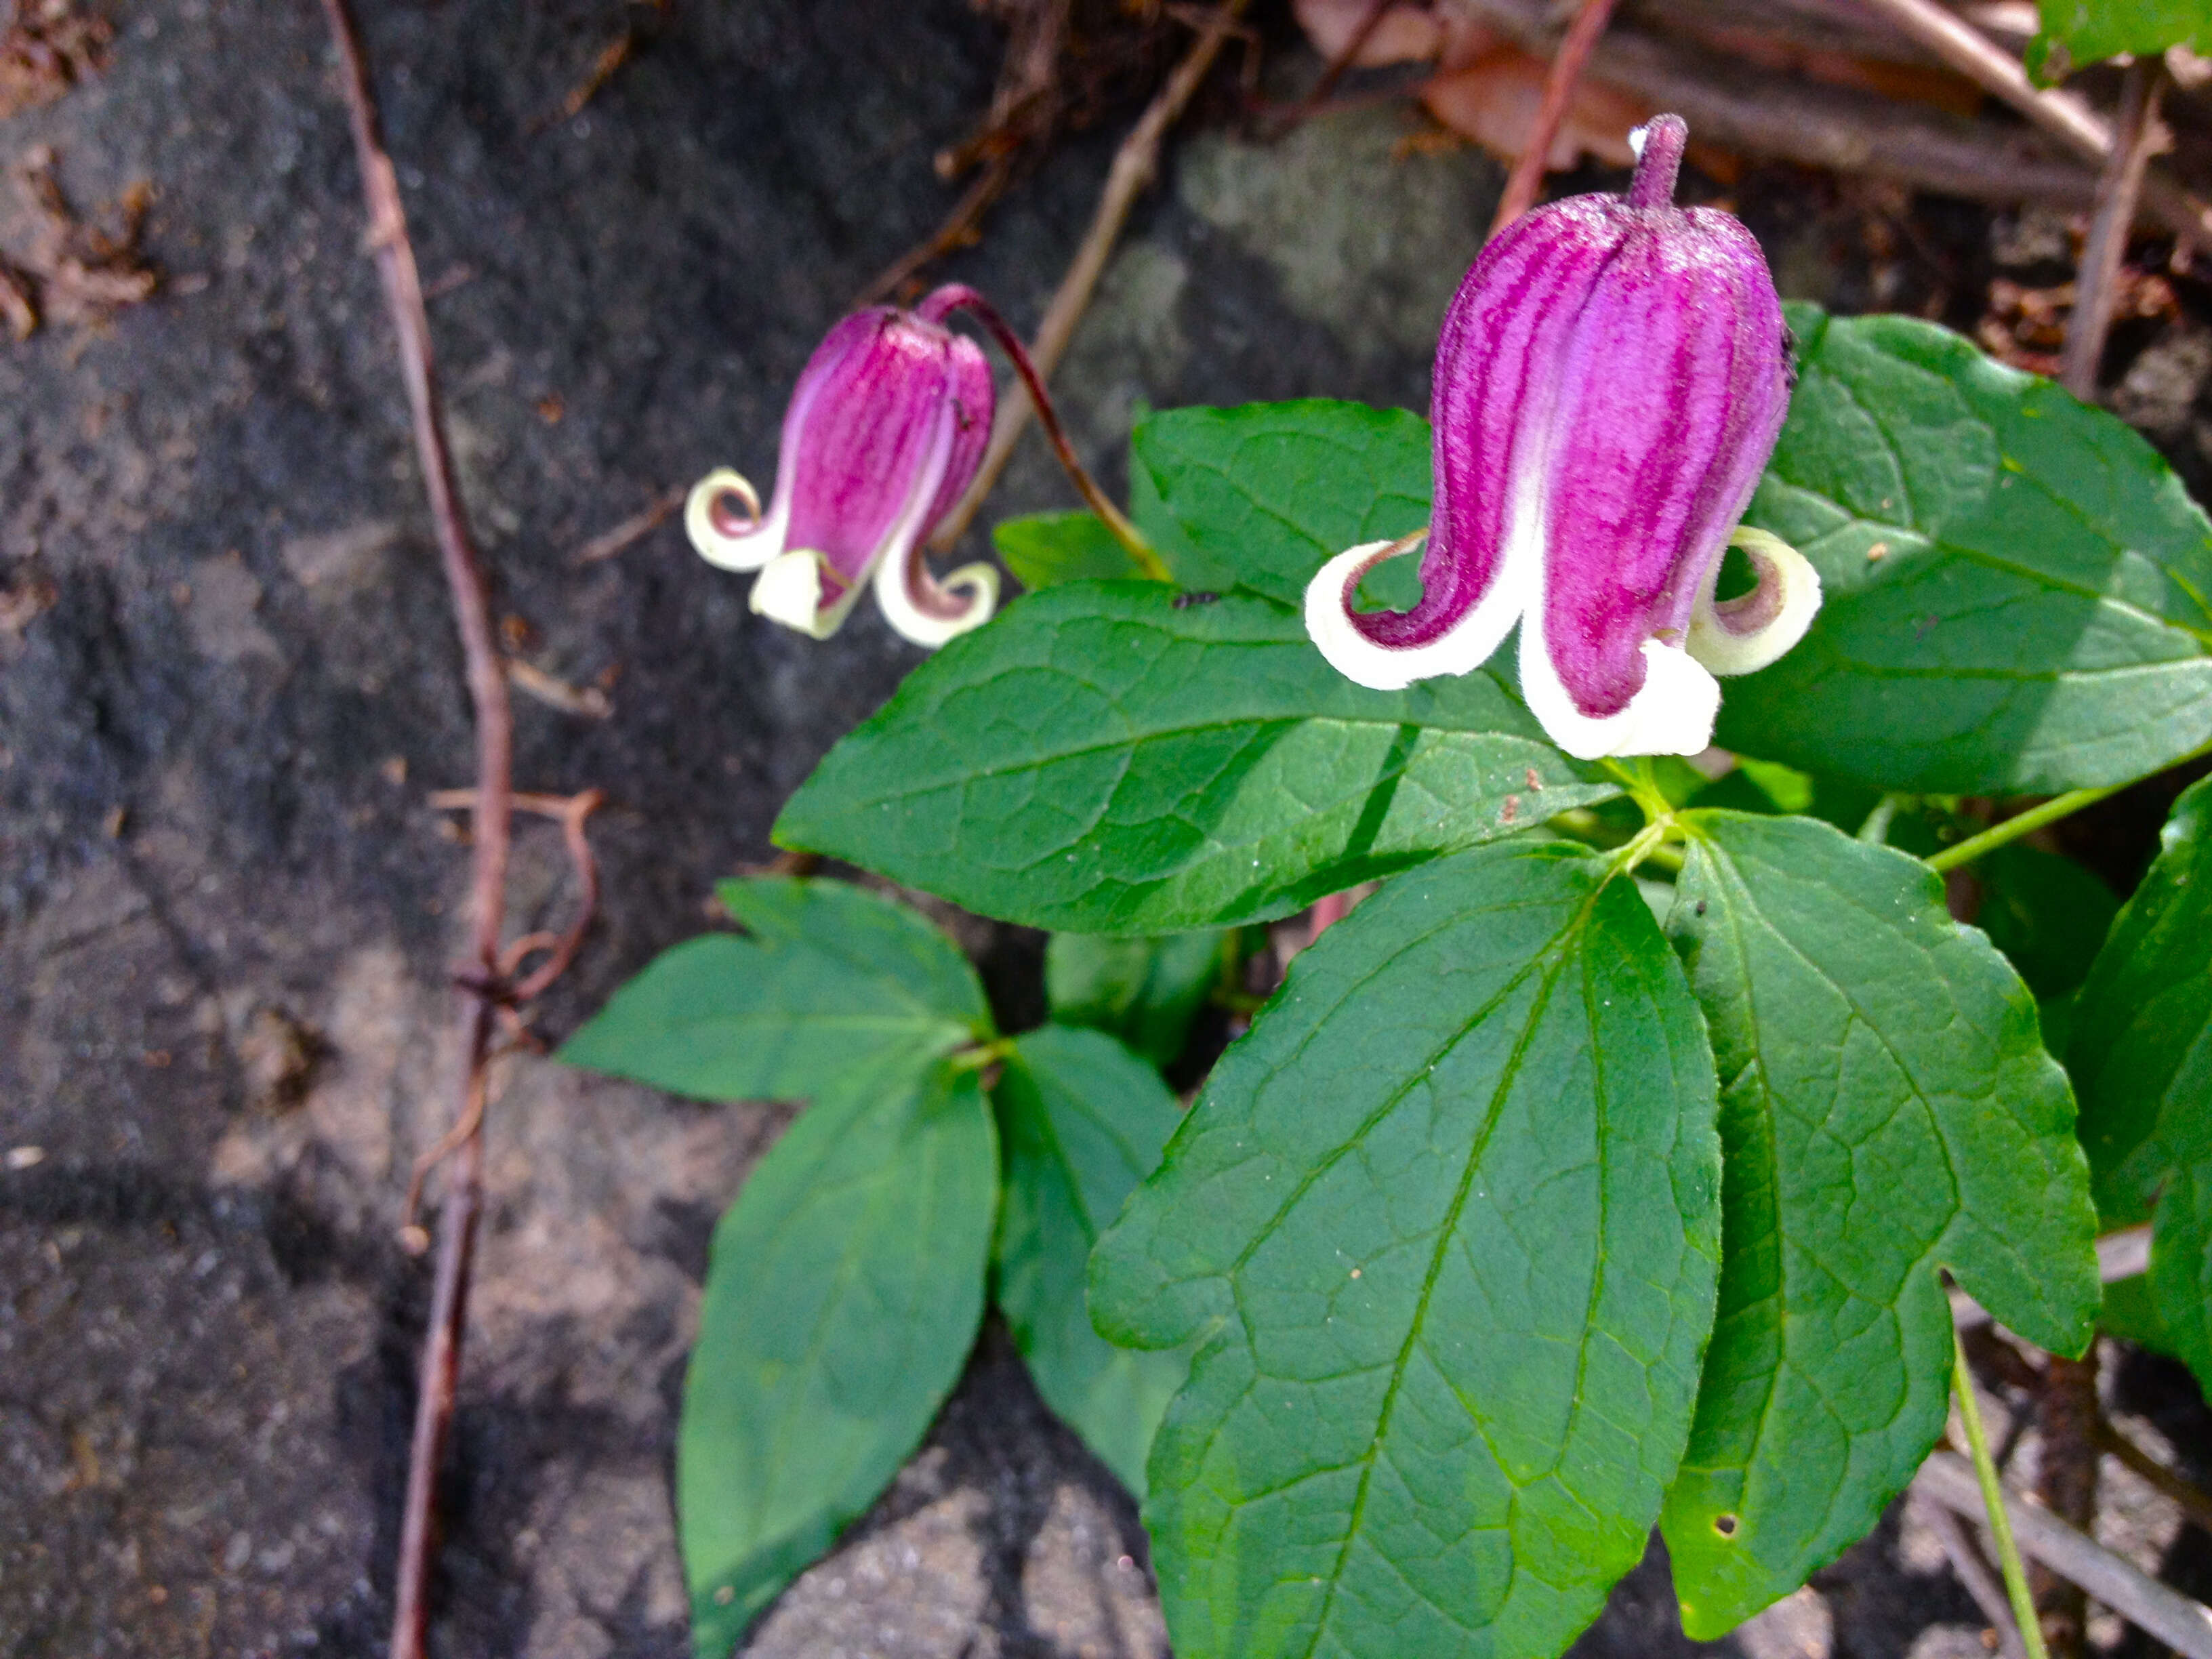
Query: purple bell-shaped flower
point(885, 430)
point(1611, 378)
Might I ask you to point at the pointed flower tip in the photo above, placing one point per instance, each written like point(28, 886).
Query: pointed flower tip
point(884, 431)
point(1611, 378)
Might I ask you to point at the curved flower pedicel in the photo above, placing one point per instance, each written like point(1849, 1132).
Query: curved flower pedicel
point(1611, 378)
point(885, 430)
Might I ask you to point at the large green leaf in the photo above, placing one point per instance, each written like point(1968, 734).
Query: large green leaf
point(1261, 497)
point(1083, 1121)
point(1446, 1226)
point(1143, 991)
point(2089, 30)
point(842, 1296)
point(1043, 549)
point(2017, 586)
point(1886, 1109)
point(1109, 757)
point(831, 978)
point(2140, 1052)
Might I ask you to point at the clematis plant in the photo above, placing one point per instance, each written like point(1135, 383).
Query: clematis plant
point(1611, 378)
point(1614, 1164)
point(885, 431)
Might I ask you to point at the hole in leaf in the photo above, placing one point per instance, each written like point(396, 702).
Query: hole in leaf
point(1724, 1525)
point(1738, 574)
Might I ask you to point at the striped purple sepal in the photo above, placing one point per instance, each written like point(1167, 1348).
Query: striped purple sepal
point(1611, 378)
point(884, 431)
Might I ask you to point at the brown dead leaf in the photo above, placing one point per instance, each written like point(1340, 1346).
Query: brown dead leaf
point(47, 48)
point(2025, 327)
point(24, 602)
point(1493, 100)
point(68, 270)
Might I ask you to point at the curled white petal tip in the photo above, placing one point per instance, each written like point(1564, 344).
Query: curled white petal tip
point(1672, 714)
point(1464, 648)
point(747, 550)
point(1743, 635)
point(972, 592)
point(789, 590)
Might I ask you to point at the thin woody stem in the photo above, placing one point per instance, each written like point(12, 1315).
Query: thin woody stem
point(958, 296)
point(491, 829)
point(1527, 178)
point(1134, 165)
point(2118, 187)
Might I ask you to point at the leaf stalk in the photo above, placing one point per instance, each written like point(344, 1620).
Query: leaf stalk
point(1977, 1442)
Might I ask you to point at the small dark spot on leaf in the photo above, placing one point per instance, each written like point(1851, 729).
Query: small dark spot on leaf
point(1701, 907)
point(1724, 1525)
point(1184, 601)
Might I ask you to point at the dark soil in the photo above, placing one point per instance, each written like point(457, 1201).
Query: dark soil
point(226, 913)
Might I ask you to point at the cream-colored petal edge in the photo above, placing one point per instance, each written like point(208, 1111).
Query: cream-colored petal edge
point(1672, 714)
point(979, 582)
point(789, 590)
point(749, 551)
point(1723, 651)
point(1465, 646)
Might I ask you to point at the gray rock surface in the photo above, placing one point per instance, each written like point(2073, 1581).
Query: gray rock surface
point(227, 911)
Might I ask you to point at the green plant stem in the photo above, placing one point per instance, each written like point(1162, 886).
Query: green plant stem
point(1977, 1442)
point(2021, 823)
point(2058, 806)
point(1875, 829)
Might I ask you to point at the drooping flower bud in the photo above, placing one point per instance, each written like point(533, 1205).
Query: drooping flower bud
point(886, 428)
point(1611, 380)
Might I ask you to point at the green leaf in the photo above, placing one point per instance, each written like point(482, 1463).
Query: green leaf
point(2131, 1312)
point(1045, 549)
point(1886, 1109)
point(1109, 757)
point(1084, 1121)
point(2140, 1052)
point(1446, 1224)
point(1143, 991)
point(1261, 497)
point(2047, 914)
point(831, 978)
point(841, 1298)
point(2091, 30)
point(2037, 618)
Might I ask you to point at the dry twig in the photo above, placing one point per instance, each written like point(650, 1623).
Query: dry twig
point(632, 529)
point(2192, 1500)
point(1527, 178)
point(554, 692)
point(1134, 165)
point(484, 984)
point(1025, 106)
point(2059, 113)
point(2118, 188)
point(2183, 1625)
point(617, 51)
point(1974, 1571)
